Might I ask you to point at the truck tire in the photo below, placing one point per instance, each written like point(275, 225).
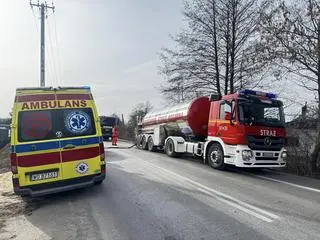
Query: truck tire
point(215, 156)
point(151, 147)
point(144, 143)
point(169, 148)
point(139, 142)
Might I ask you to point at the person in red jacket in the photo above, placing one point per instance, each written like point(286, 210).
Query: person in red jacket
point(114, 135)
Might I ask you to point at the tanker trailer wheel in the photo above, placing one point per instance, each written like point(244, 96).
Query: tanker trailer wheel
point(169, 148)
point(138, 141)
point(215, 156)
point(151, 147)
point(144, 143)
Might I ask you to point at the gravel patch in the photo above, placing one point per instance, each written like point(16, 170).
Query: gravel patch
point(10, 204)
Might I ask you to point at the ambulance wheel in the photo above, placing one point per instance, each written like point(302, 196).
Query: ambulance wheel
point(151, 147)
point(215, 156)
point(144, 143)
point(98, 182)
point(169, 148)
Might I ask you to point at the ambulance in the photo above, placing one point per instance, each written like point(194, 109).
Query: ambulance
point(56, 141)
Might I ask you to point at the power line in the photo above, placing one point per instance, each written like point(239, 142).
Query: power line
point(35, 20)
point(59, 64)
point(49, 68)
point(55, 75)
point(43, 8)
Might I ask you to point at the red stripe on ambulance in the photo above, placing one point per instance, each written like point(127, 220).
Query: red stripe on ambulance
point(50, 97)
point(80, 154)
point(74, 96)
point(54, 158)
point(38, 159)
point(32, 98)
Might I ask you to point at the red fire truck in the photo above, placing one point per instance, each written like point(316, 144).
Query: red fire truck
point(245, 129)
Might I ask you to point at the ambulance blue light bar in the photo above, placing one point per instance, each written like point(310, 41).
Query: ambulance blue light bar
point(258, 93)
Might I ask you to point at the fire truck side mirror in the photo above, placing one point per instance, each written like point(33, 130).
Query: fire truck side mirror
point(215, 97)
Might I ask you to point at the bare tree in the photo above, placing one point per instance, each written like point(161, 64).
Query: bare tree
point(219, 49)
point(135, 116)
point(175, 90)
point(291, 36)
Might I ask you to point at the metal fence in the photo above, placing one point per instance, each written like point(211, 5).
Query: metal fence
point(4, 135)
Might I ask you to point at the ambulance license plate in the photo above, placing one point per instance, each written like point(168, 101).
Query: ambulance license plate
point(43, 176)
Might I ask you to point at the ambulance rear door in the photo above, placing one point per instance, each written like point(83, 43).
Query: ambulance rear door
point(38, 147)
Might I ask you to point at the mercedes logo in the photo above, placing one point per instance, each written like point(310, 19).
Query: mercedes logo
point(267, 141)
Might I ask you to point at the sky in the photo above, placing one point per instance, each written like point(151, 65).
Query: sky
point(111, 45)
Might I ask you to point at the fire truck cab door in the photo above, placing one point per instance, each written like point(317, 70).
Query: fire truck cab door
point(226, 128)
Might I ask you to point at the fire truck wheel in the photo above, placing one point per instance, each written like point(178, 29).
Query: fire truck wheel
point(150, 144)
point(144, 143)
point(215, 156)
point(169, 148)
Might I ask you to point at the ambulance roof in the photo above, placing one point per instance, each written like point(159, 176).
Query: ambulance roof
point(40, 90)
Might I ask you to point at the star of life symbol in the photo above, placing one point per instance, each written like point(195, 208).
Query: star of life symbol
point(77, 122)
point(82, 168)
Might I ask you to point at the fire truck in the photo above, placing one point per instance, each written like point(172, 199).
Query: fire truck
point(245, 129)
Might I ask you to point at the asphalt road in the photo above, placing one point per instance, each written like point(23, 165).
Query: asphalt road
point(150, 196)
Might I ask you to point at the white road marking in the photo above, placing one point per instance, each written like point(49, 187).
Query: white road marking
point(220, 194)
point(246, 210)
point(288, 183)
point(245, 207)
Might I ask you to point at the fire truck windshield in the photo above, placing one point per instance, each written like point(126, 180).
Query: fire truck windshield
point(261, 112)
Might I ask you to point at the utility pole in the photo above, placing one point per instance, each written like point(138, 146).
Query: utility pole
point(43, 7)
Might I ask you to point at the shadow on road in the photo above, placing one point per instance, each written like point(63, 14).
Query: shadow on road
point(54, 199)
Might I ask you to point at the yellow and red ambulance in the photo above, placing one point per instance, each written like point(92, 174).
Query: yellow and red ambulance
point(56, 140)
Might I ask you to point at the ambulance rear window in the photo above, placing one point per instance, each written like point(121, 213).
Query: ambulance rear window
point(35, 125)
point(54, 124)
point(76, 122)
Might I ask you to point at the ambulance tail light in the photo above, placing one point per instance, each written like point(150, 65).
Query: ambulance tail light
point(15, 183)
point(14, 163)
point(103, 168)
point(102, 157)
point(101, 151)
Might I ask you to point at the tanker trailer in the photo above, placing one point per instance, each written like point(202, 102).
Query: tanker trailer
point(177, 129)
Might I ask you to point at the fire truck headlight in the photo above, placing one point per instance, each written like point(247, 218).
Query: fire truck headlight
point(284, 155)
point(247, 155)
